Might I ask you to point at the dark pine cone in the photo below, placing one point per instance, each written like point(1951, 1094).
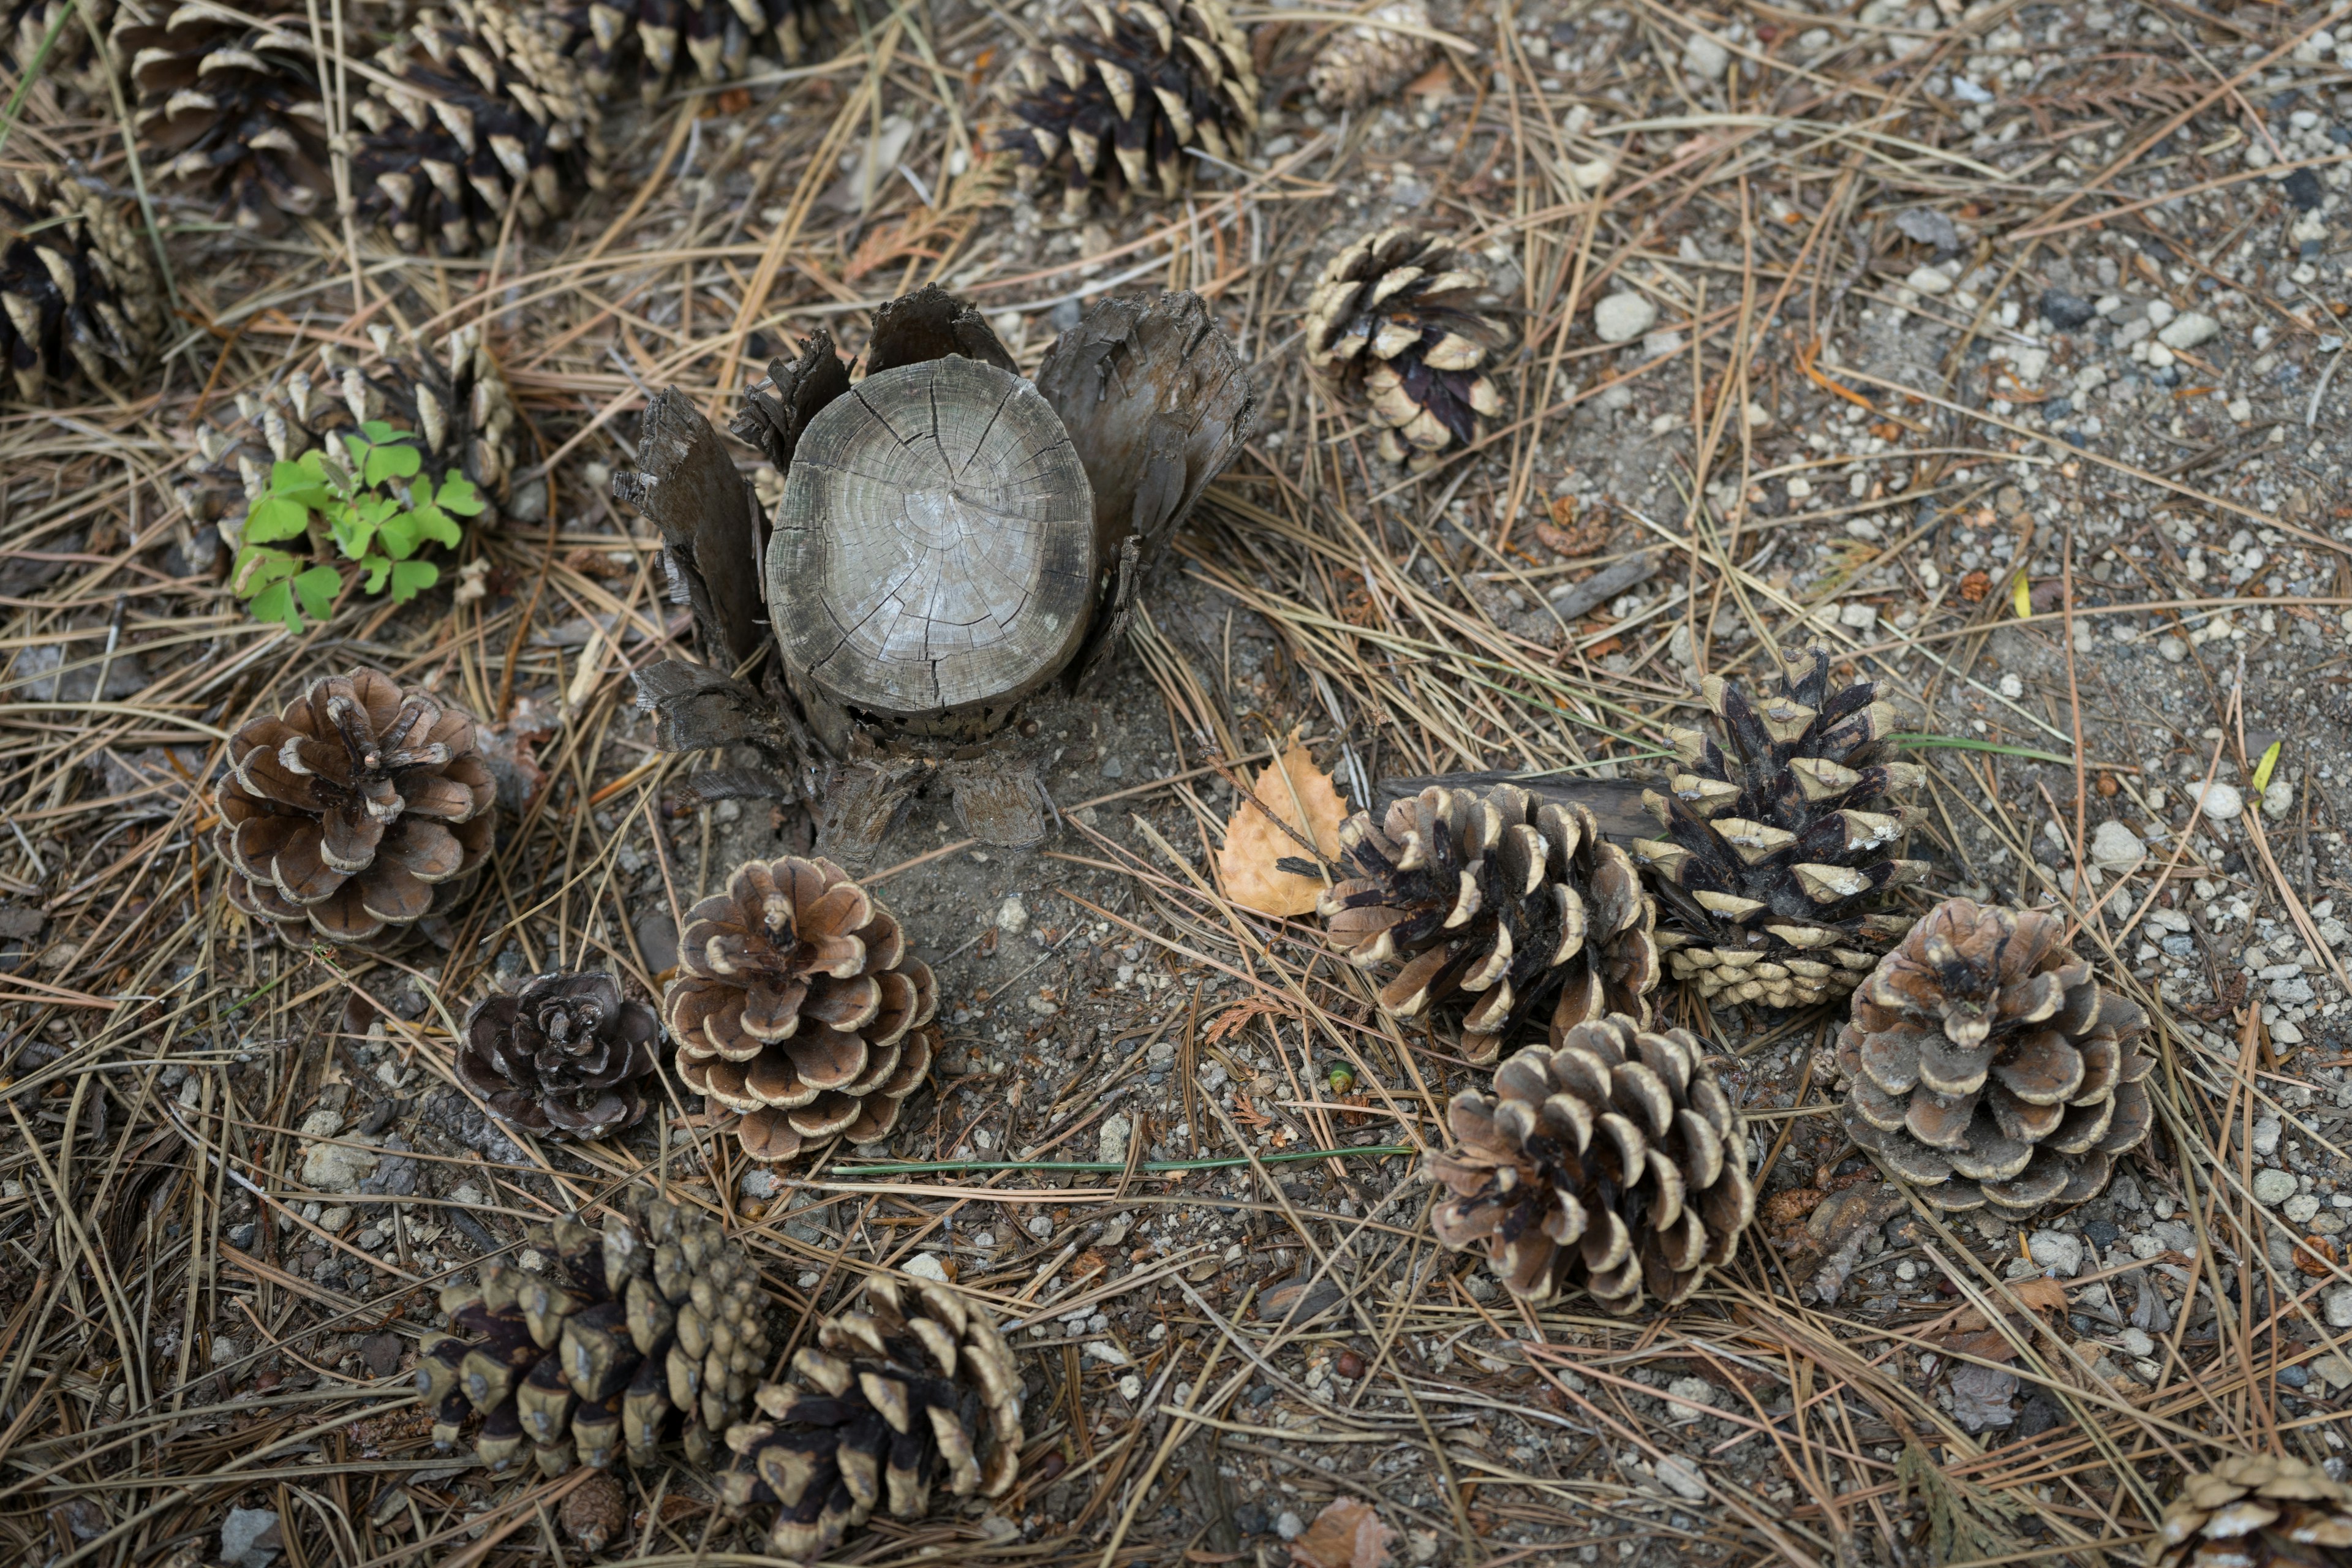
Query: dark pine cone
point(659, 41)
point(358, 811)
point(655, 1327)
point(566, 1054)
point(1480, 895)
point(1613, 1161)
point(798, 1009)
point(78, 285)
point(1119, 101)
point(2257, 1511)
point(918, 1389)
point(1989, 1066)
point(1781, 841)
point(1395, 323)
point(498, 116)
point(231, 108)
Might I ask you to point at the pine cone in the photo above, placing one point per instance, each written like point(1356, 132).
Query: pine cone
point(886, 1404)
point(72, 61)
point(654, 1326)
point(798, 1009)
point(231, 108)
point(657, 42)
point(78, 285)
point(358, 811)
point(459, 408)
point(566, 1054)
point(595, 1512)
point(1612, 1162)
point(1395, 322)
point(1520, 908)
point(1359, 64)
point(1988, 1066)
point(1780, 841)
point(499, 115)
point(1118, 102)
point(2262, 1511)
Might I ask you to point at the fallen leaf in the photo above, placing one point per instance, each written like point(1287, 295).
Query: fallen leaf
point(1348, 1534)
point(1984, 1344)
point(2315, 1256)
point(2036, 1295)
point(1255, 843)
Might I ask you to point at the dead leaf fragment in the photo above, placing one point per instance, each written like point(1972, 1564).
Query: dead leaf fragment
point(1255, 842)
point(1348, 1534)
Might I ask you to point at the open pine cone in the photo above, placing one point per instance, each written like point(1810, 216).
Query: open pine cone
point(1119, 100)
point(1370, 59)
point(1782, 841)
point(653, 1328)
point(73, 61)
point(1395, 323)
point(1614, 1162)
point(231, 107)
point(2262, 1511)
point(457, 406)
point(77, 288)
point(1481, 895)
point(1989, 1067)
point(916, 1389)
point(492, 112)
point(356, 813)
point(798, 1009)
point(566, 1055)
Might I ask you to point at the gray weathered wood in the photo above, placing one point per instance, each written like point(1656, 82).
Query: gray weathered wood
point(686, 481)
point(933, 560)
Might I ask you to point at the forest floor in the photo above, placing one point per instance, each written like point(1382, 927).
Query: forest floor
point(1995, 350)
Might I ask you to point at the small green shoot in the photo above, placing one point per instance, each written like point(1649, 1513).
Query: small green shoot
point(360, 506)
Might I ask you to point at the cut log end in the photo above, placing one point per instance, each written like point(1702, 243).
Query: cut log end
point(933, 560)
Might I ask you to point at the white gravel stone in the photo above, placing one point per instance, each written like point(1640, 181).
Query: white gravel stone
point(2056, 1251)
point(1110, 1142)
point(1106, 1353)
point(1012, 916)
point(2220, 801)
point(2273, 1188)
point(2188, 329)
point(2171, 649)
point(2334, 1370)
point(2266, 1136)
point(1687, 1398)
point(1929, 280)
point(1289, 1526)
point(335, 1168)
point(2337, 1302)
point(2278, 800)
point(2300, 1209)
point(2136, 1343)
point(2114, 847)
point(1622, 317)
point(925, 1266)
point(242, 1536)
point(1704, 56)
point(1682, 1477)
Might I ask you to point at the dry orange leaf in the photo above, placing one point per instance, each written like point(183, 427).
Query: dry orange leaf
point(1253, 843)
point(1348, 1534)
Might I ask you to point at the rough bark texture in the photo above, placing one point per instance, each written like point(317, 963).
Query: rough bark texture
point(687, 484)
point(775, 411)
point(933, 560)
point(928, 325)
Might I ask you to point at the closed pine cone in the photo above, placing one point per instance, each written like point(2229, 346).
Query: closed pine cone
point(231, 108)
point(1989, 1066)
point(1370, 59)
point(1522, 909)
point(1781, 840)
point(566, 1055)
point(491, 111)
point(77, 289)
point(455, 403)
point(1613, 1162)
point(1395, 322)
point(1117, 100)
point(2262, 1511)
point(918, 1389)
point(798, 1010)
point(653, 1328)
point(357, 812)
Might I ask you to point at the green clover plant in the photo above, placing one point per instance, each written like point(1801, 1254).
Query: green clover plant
point(365, 508)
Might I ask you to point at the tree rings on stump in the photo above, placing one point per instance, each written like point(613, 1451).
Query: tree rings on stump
point(933, 560)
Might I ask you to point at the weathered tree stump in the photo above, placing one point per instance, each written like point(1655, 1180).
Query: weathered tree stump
point(933, 558)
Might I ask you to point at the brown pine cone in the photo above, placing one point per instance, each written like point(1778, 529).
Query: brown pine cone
point(78, 285)
point(566, 1054)
point(1371, 59)
point(2261, 1511)
point(798, 1010)
point(357, 812)
point(919, 1388)
point(1782, 841)
point(1989, 1067)
point(1614, 1162)
point(1523, 911)
point(1396, 323)
point(596, 1511)
point(1118, 99)
point(231, 108)
point(655, 1327)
